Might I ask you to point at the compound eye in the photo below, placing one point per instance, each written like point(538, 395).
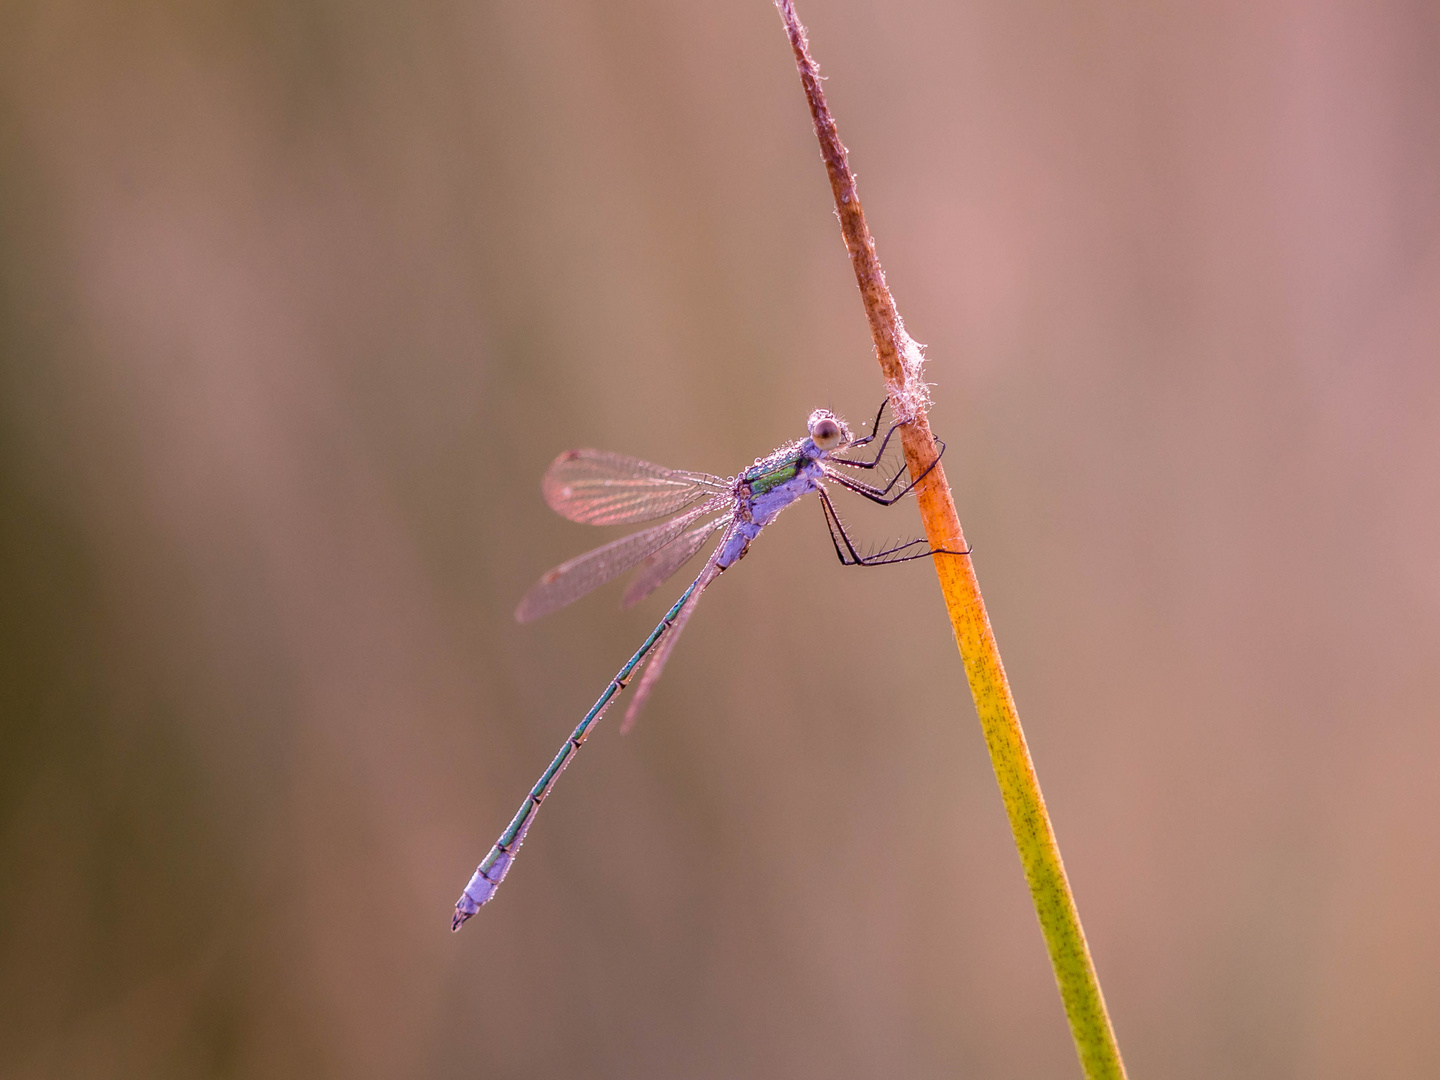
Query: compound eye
point(826, 433)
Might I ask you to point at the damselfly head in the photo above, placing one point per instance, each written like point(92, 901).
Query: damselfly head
point(827, 431)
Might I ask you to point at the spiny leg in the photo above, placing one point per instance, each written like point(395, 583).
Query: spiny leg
point(875, 424)
point(878, 494)
point(849, 555)
point(874, 462)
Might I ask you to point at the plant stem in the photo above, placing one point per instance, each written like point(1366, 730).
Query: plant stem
point(900, 360)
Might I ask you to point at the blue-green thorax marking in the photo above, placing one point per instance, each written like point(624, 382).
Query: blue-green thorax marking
point(773, 471)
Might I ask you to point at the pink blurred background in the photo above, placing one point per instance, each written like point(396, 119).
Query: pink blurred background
point(298, 300)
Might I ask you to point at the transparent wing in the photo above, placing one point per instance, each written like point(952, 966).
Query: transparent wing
point(663, 647)
point(658, 568)
point(596, 487)
point(573, 579)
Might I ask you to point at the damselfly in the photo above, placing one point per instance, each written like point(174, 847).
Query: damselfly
point(600, 488)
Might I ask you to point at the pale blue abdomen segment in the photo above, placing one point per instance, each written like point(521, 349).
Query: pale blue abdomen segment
point(484, 882)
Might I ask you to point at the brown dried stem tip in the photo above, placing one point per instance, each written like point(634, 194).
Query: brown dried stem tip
point(901, 362)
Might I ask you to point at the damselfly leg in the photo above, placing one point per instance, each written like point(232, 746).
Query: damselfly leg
point(849, 554)
point(878, 494)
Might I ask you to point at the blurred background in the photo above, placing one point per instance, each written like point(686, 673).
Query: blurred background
point(297, 301)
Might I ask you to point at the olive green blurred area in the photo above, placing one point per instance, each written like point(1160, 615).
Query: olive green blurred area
point(297, 301)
